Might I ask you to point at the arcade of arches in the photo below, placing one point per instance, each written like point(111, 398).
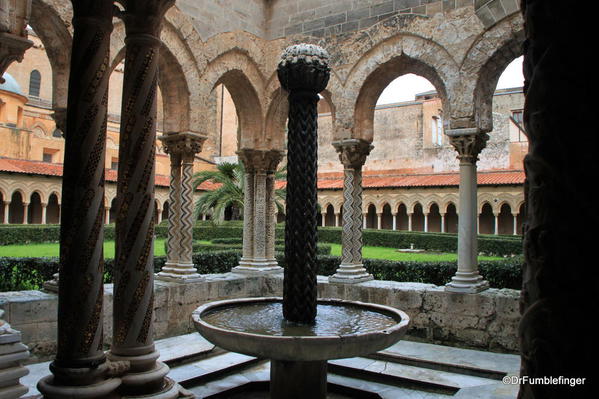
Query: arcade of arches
point(193, 49)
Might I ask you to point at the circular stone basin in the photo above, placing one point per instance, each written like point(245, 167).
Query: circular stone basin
point(255, 326)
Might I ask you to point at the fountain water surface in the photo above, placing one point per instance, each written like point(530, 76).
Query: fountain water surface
point(298, 332)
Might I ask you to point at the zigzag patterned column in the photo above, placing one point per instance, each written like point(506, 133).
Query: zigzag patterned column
point(303, 72)
point(80, 368)
point(134, 267)
point(352, 154)
point(468, 143)
point(182, 148)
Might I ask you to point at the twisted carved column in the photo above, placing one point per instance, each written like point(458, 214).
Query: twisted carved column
point(352, 154)
point(182, 148)
point(559, 292)
point(134, 267)
point(80, 361)
point(303, 72)
point(468, 143)
point(258, 213)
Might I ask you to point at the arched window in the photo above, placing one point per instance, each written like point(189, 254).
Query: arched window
point(35, 82)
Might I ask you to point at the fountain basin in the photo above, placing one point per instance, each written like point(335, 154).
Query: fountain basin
point(344, 329)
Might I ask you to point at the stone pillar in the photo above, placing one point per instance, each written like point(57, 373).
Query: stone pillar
point(6, 210)
point(107, 215)
point(12, 355)
point(515, 216)
point(364, 220)
point(25, 212)
point(426, 222)
point(379, 221)
point(352, 153)
point(179, 266)
point(442, 222)
point(395, 221)
point(133, 339)
point(468, 143)
point(303, 72)
point(259, 212)
point(158, 215)
point(80, 369)
point(337, 219)
point(44, 217)
point(323, 219)
point(410, 221)
point(496, 226)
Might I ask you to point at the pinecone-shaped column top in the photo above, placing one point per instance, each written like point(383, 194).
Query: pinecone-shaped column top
point(304, 68)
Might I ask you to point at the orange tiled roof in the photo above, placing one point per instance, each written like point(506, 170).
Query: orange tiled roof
point(326, 181)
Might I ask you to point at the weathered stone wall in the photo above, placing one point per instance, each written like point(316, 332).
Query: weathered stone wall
point(488, 320)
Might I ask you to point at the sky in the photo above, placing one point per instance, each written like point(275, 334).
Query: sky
point(407, 86)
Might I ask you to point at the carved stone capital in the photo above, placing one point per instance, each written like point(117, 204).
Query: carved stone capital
point(184, 144)
point(12, 48)
point(469, 146)
point(144, 17)
point(304, 67)
point(265, 161)
point(353, 152)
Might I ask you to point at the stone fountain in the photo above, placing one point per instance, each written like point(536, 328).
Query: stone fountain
point(298, 332)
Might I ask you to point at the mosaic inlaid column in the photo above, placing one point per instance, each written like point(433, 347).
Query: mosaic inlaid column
point(352, 153)
point(133, 339)
point(258, 213)
point(468, 143)
point(179, 266)
point(80, 369)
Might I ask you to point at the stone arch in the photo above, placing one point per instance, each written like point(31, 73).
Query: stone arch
point(388, 60)
point(486, 219)
point(52, 29)
point(484, 63)
point(244, 81)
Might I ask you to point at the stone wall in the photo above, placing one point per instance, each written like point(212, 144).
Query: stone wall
point(488, 320)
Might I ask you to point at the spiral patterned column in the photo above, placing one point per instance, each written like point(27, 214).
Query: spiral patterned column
point(468, 143)
point(352, 154)
point(182, 148)
point(303, 72)
point(248, 211)
point(134, 267)
point(80, 359)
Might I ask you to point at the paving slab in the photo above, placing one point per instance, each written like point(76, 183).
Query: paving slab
point(182, 347)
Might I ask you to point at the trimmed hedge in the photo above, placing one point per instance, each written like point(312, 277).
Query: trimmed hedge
point(30, 273)
point(321, 249)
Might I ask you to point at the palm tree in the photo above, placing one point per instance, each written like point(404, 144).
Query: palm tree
point(230, 182)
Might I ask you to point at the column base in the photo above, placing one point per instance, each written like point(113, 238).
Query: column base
point(99, 386)
point(182, 273)
point(257, 266)
point(52, 285)
point(351, 274)
point(467, 283)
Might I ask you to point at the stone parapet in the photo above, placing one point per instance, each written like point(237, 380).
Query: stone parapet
point(488, 320)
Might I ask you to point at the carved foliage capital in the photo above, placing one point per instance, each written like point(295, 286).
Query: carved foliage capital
point(260, 160)
point(12, 48)
point(183, 144)
point(144, 16)
point(470, 146)
point(353, 153)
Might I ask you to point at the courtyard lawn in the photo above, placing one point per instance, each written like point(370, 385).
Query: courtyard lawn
point(393, 254)
point(51, 250)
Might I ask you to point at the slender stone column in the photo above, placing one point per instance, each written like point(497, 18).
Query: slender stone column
point(426, 222)
point(158, 215)
point(12, 355)
point(364, 220)
point(379, 221)
point(395, 221)
point(107, 215)
point(133, 339)
point(496, 226)
point(25, 212)
point(410, 221)
point(303, 72)
point(352, 153)
point(6, 211)
point(258, 212)
point(337, 219)
point(515, 227)
point(442, 222)
point(179, 266)
point(468, 143)
point(80, 369)
point(44, 206)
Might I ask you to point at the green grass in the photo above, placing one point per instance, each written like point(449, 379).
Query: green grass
point(52, 250)
point(393, 254)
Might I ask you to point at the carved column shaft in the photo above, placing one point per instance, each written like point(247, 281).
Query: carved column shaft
point(174, 218)
point(352, 154)
point(248, 215)
point(467, 278)
point(133, 339)
point(80, 359)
